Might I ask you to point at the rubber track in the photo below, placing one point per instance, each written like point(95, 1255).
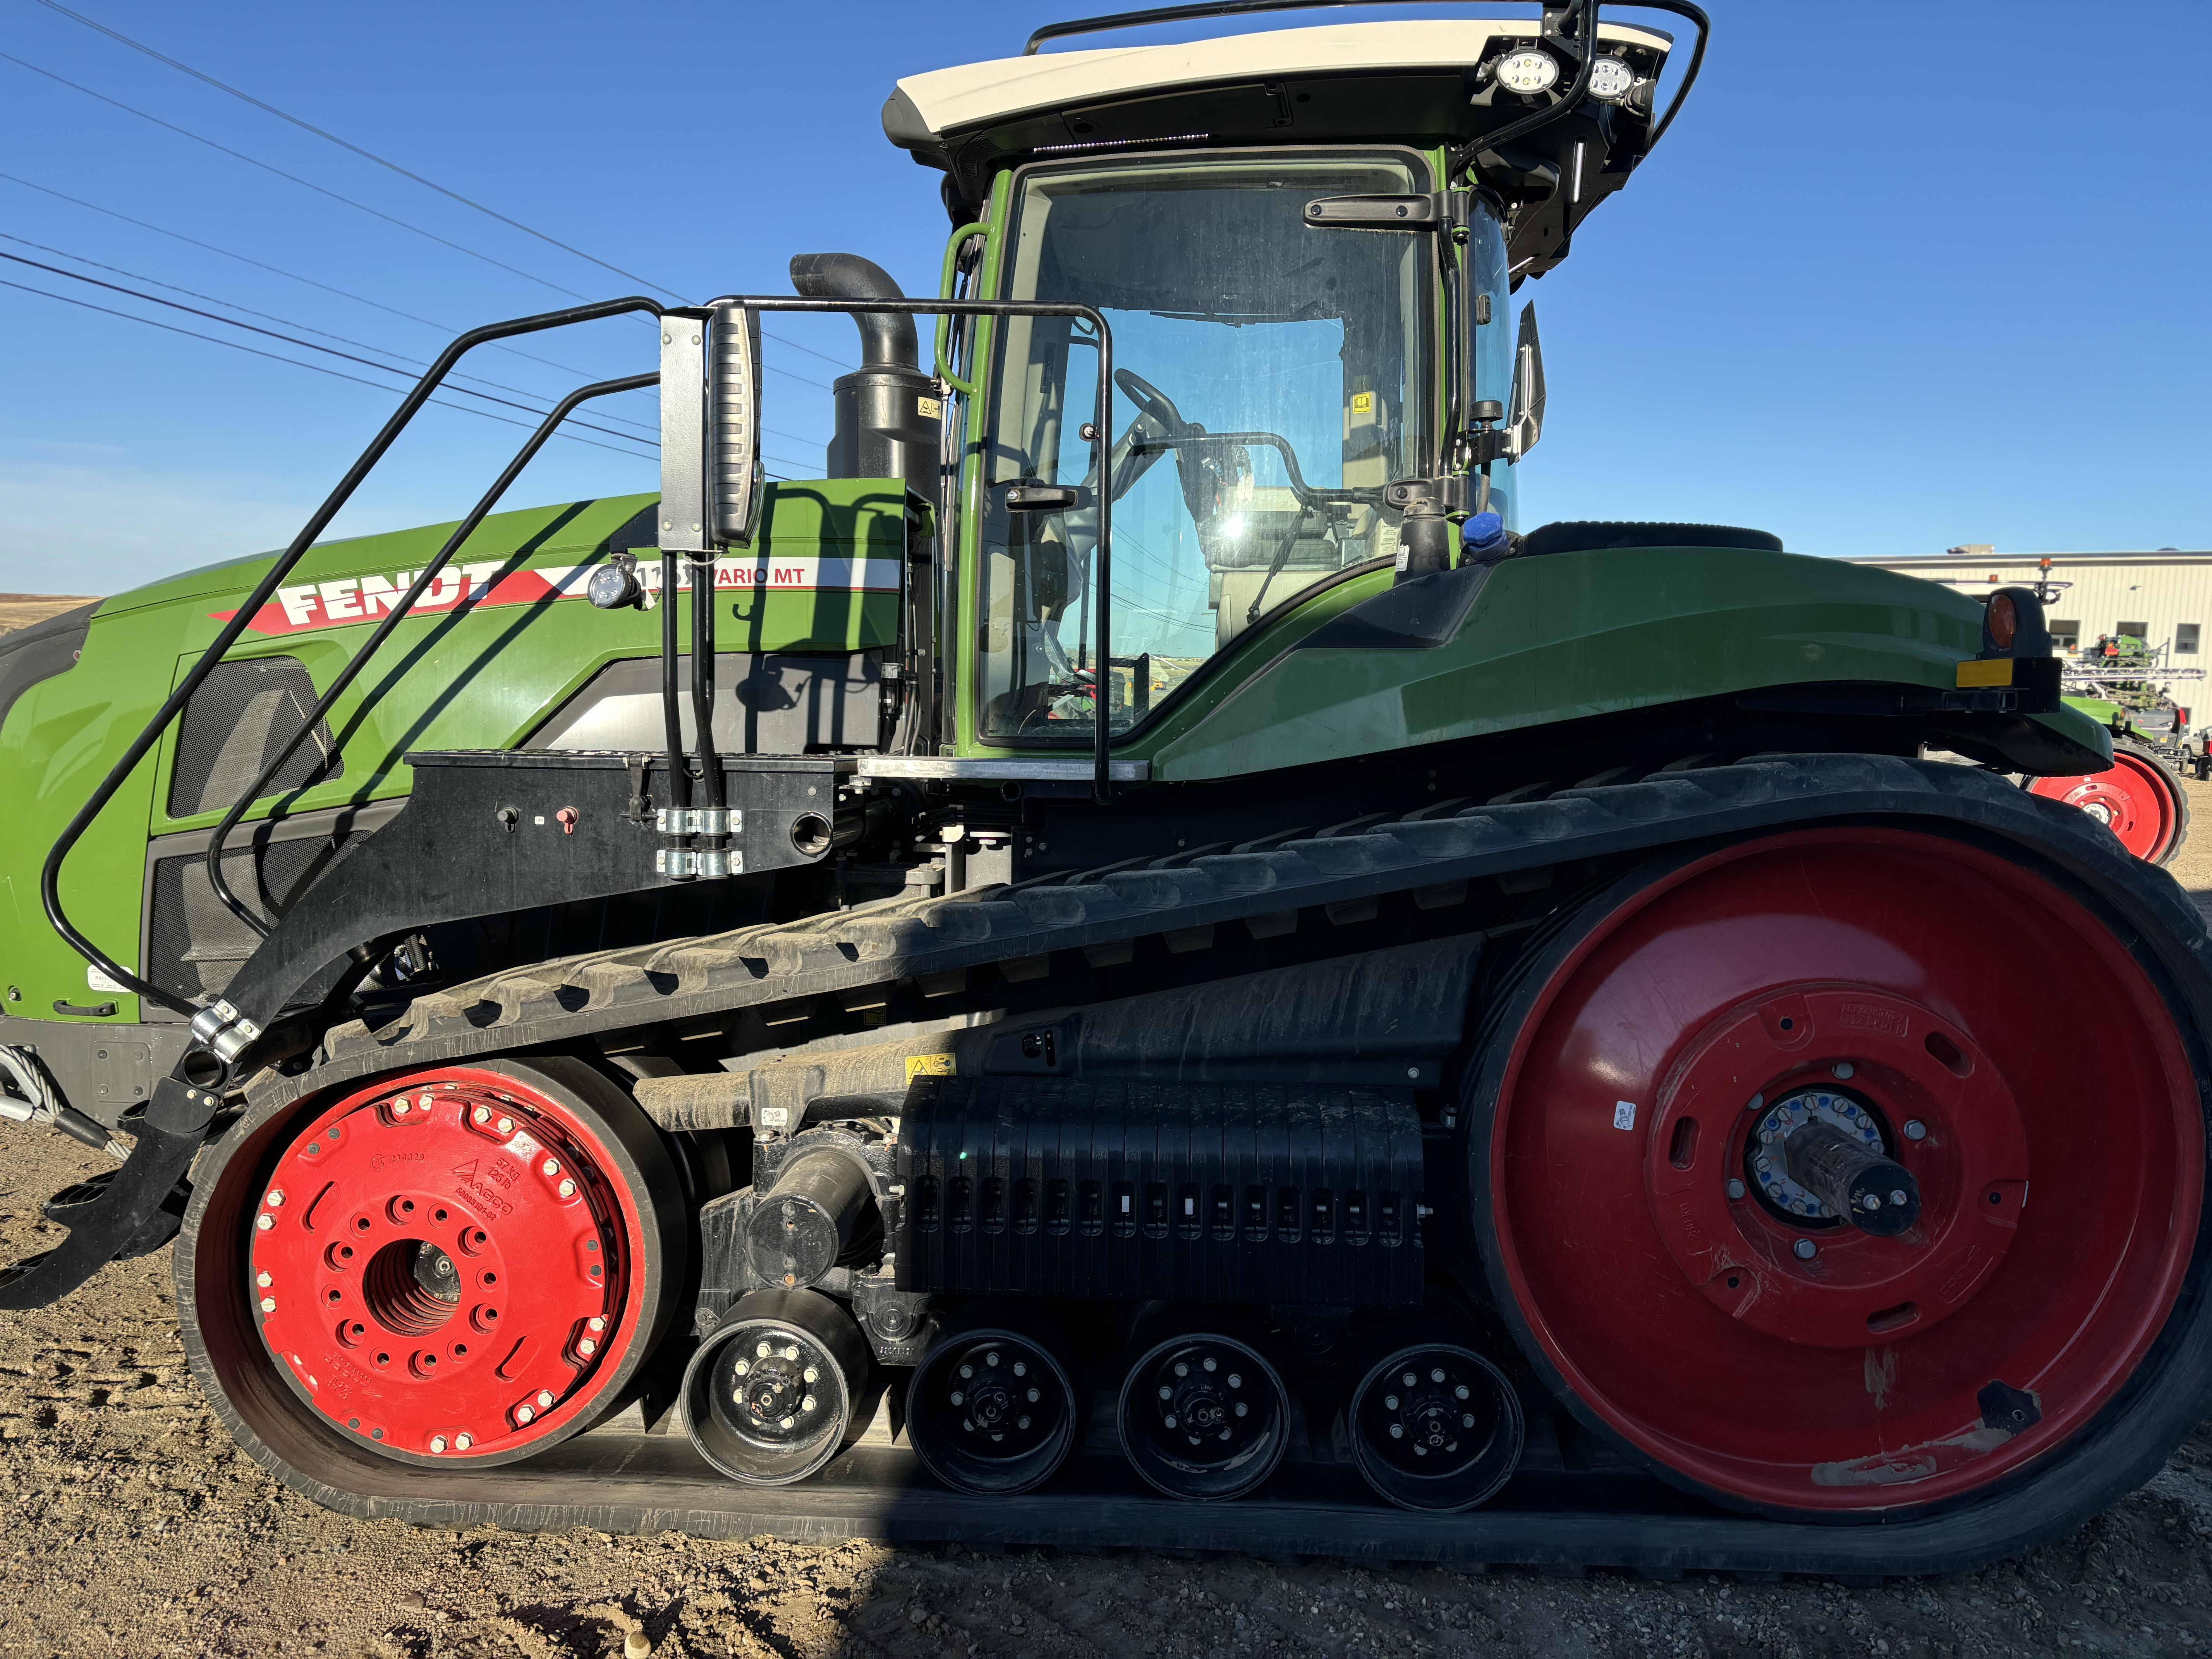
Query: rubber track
point(588, 995)
point(623, 1481)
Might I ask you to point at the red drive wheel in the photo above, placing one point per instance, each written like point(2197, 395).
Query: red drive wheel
point(1717, 1067)
point(2138, 797)
point(466, 1263)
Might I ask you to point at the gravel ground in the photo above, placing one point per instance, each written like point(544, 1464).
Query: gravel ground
point(134, 1527)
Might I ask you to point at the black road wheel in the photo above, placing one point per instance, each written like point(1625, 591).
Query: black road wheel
point(778, 1389)
point(1204, 1415)
point(1434, 1425)
point(991, 1409)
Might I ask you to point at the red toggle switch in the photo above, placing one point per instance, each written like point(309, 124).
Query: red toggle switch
point(566, 817)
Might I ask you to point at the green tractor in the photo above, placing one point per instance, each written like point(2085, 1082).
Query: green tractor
point(1144, 942)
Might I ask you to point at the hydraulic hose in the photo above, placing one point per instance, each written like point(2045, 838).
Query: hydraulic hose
point(672, 690)
point(50, 876)
point(702, 683)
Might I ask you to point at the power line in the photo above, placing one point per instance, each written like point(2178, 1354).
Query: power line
point(360, 299)
point(371, 155)
point(305, 345)
point(211, 298)
point(339, 374)
point(428, 183)
point(294, 177)
point(291, 276)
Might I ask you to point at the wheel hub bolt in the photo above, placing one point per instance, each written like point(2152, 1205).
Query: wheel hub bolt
point(505, 1125)
point(1734, 1187)
point(544, 1399)
point(482, 1115)
point(1915, 1129)
point(1806, 1250)
point(264, 1280)
point(437, 1443)
point(462, 1442)
point(1844, 1069)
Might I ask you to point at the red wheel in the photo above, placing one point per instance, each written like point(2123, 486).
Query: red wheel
point(2137, 797)
point(461, 1264)
point(1892, 990)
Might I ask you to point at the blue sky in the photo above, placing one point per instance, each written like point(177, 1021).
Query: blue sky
point(1901, 276)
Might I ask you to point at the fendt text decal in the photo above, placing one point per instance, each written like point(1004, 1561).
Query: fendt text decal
point(349, 600)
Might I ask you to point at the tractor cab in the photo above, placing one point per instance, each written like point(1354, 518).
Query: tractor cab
point(1303, 242)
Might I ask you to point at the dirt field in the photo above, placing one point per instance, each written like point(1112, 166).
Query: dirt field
point(22, 610)
point(132, 1525)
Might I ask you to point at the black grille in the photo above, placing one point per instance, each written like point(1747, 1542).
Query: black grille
point(241, 716)
point(195, 945)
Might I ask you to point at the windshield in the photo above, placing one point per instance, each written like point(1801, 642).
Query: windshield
point(1269, 381)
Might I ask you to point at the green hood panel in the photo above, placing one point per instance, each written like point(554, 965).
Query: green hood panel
point(504, 639)
point(1569, 636)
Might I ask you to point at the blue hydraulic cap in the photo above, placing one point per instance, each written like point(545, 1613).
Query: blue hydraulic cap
point(1483, 536)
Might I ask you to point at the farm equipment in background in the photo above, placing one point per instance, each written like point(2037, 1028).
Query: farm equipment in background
point(1141, 945)
point(2125, 686)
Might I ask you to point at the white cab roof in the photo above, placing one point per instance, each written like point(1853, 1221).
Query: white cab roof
point(980, 94)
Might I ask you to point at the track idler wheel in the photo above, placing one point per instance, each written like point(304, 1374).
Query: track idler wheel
point(464, 1264)
point(1203, 1413)
point(1434, 1425)
point(778, 1389)
point(991, 1410)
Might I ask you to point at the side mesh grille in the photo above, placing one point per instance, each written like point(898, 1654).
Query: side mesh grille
point(195, 945)
point(241, 716)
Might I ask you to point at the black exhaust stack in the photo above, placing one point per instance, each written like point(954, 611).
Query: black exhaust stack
point(888, 411)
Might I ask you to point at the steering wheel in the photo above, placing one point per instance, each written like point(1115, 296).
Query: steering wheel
point(1151, 401)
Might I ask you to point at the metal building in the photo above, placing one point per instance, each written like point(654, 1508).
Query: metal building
point(2163, 597)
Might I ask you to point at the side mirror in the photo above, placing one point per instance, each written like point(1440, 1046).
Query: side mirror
point(1525, 421)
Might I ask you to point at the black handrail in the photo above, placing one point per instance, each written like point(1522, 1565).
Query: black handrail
point(50, 876)
point(397, 614)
